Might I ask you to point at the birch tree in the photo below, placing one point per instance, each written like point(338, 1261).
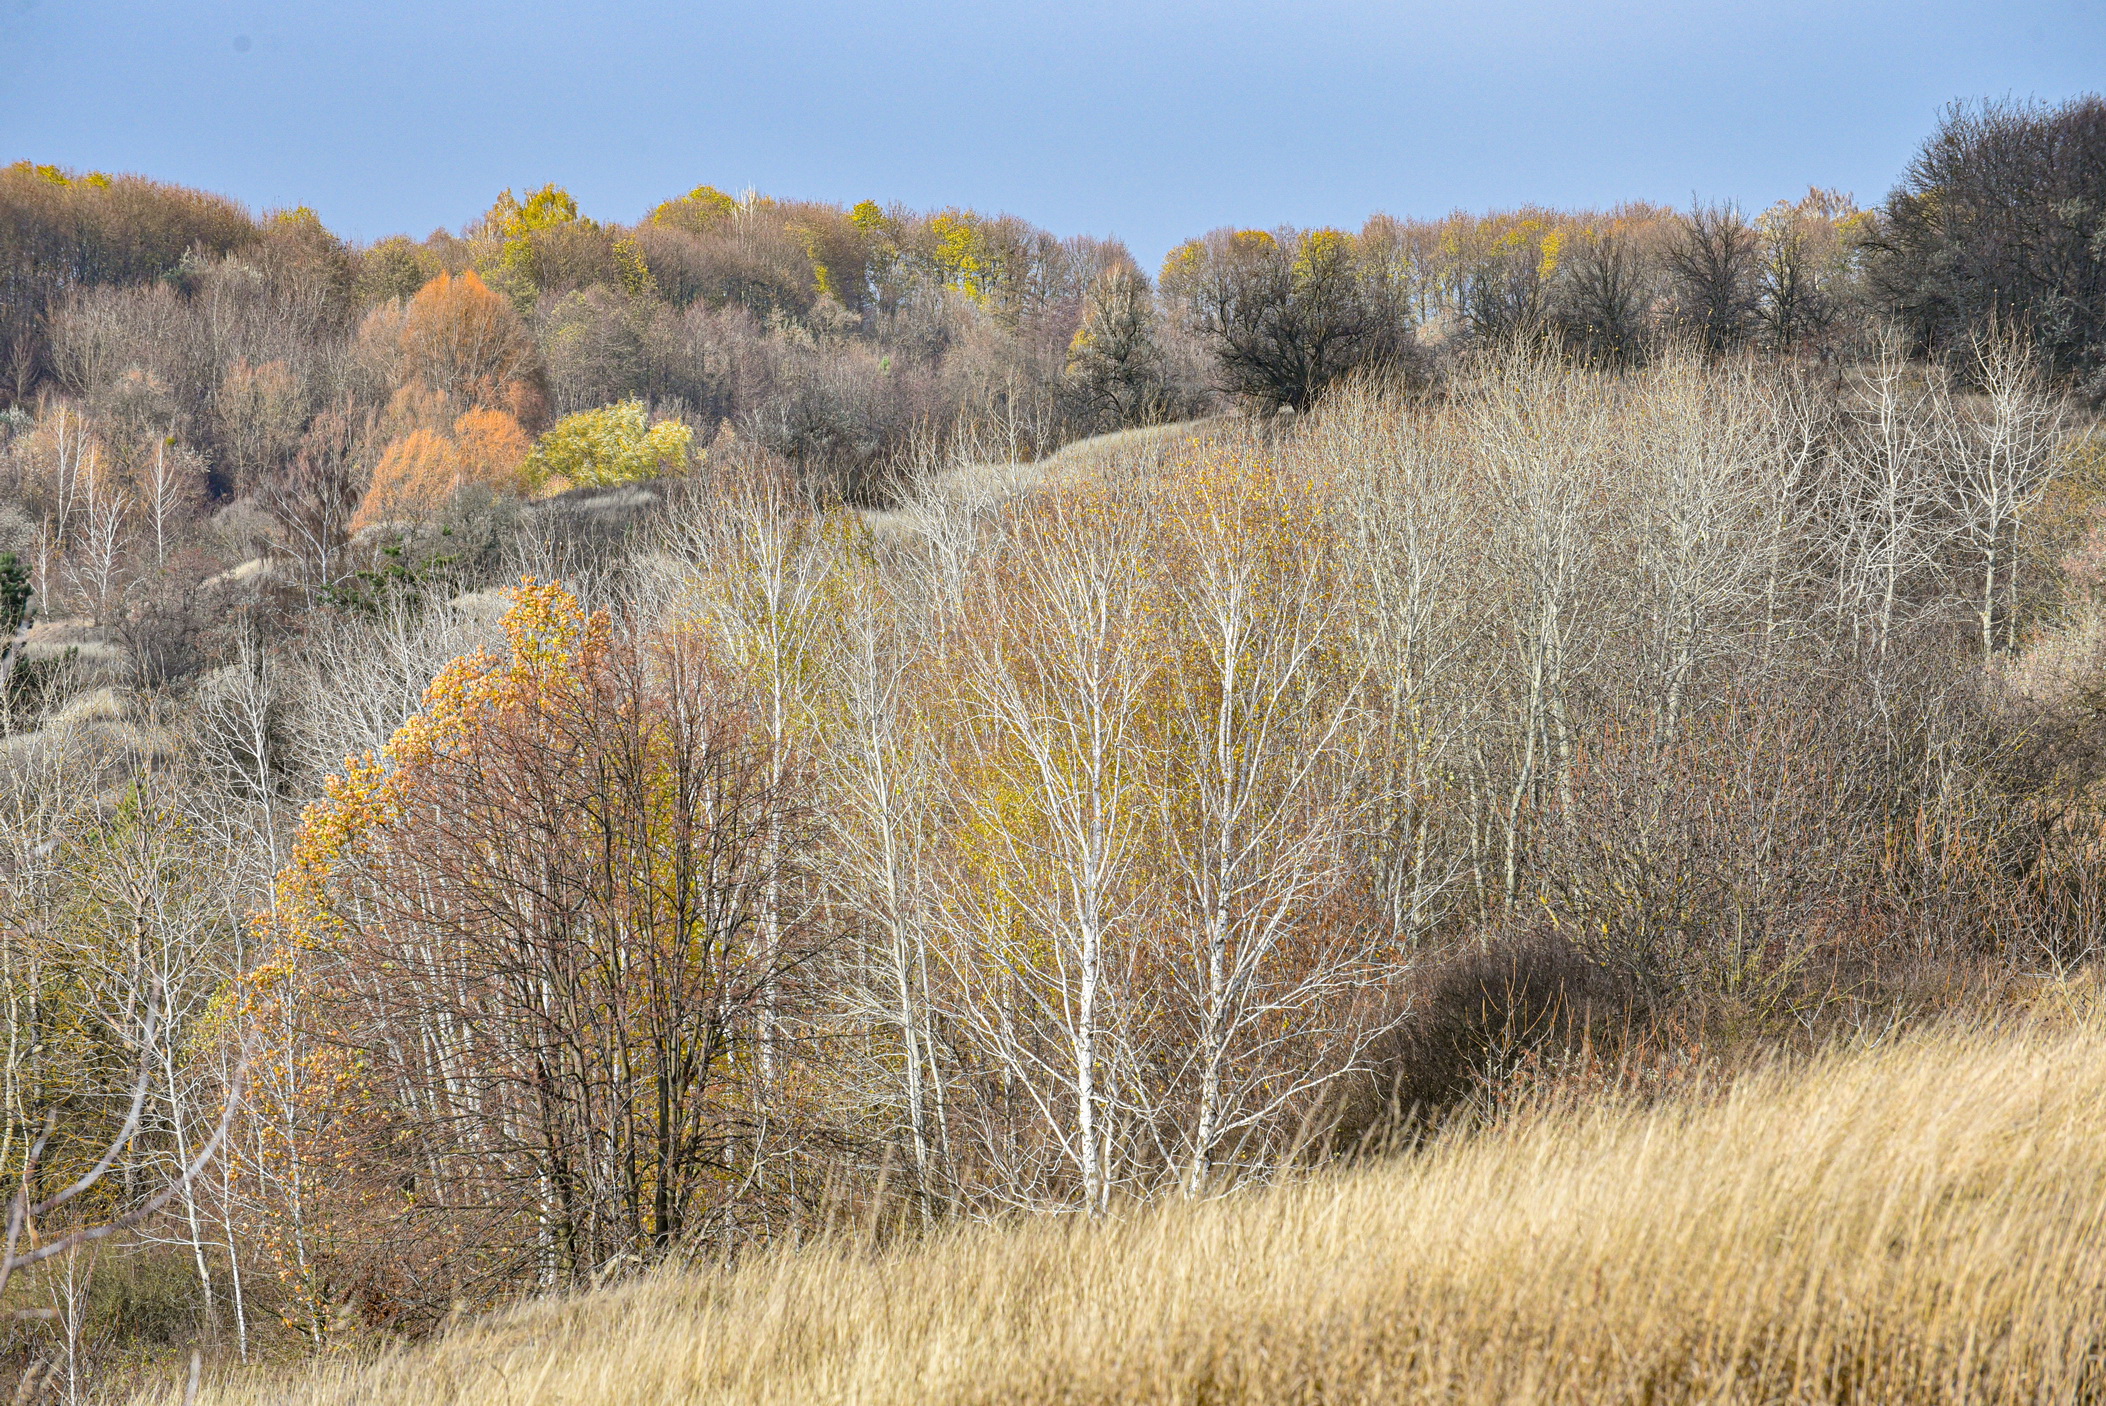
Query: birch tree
point(1696, 509)
point(1883, 500)
point(1540, 429)
point(147, 918)
point(1052, 805)
point(763, 588)
point(878, 781)
point(1258, 691)
point(1405, 582)
point(2000, 453)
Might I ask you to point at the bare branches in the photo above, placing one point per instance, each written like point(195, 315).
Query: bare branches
point(550, 961)
point(24, 1213)
point(1999, 453)
point(1713, 265)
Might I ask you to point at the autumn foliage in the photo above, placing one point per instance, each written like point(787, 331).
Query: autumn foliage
point(552, 874)
point(1125, 837)
point(420, 473)
point(467, 341)
point(1604, 657)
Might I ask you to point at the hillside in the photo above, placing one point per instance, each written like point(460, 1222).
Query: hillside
point(1922, 1221)
point(570, 754)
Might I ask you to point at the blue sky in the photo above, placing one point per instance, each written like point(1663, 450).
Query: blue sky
point(1149, 119)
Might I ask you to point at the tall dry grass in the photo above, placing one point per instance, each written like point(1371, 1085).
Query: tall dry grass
point(1924, 1221)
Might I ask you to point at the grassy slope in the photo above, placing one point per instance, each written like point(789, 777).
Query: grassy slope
point(1127, 450)
point(1924, 1222)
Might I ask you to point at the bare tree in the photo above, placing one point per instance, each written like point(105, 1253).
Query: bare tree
point(72, 473)
point(1254, 813)
point(1801, 427)
point(1057, 653)
point(1541, 431)
point(242, 728)
point(356, 681)
point(1601, 298)
point(1411, 509)
point(25, 1247)
point(1287, 313)
point(1885, 527)
point(765, 594)
point(881, 814)
point(2000, 454)
point(1114, 363)
point(170, 490)
point(313, 499)
point(1695, 529)
point(160, 925)
point(102, 545)
point(1795, 254)
point(1712, 266)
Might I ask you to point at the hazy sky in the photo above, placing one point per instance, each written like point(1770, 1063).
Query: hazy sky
point(1149, 119)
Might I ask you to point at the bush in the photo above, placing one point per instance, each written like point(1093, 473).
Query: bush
point(613, 444)
point(1472, 1020)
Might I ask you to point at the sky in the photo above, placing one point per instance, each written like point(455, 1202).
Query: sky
point(1150, 120)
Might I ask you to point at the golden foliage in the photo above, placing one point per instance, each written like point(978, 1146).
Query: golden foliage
point(607, 445)
point(699, 209)
point(548, 637)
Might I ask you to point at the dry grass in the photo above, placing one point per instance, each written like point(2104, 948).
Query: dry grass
point(1126, 451)
point(1921, 1222)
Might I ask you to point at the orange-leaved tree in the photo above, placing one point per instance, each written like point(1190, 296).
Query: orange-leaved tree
point(523, 946)
point(462, 338)
point(420, 472)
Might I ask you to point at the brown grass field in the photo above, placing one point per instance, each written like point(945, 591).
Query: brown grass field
point(1922, 1220)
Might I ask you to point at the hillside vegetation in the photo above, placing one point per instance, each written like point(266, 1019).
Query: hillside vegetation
point(565, 754)
point(1924, 1222)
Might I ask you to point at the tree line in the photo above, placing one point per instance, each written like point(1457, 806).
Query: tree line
point(306, 395)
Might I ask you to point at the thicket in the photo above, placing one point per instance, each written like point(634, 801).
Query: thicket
point(631, 743)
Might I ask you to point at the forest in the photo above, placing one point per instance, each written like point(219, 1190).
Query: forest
point(567, 760)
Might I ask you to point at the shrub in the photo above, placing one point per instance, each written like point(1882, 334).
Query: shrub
point(610, 445)
point(1472, 1020)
